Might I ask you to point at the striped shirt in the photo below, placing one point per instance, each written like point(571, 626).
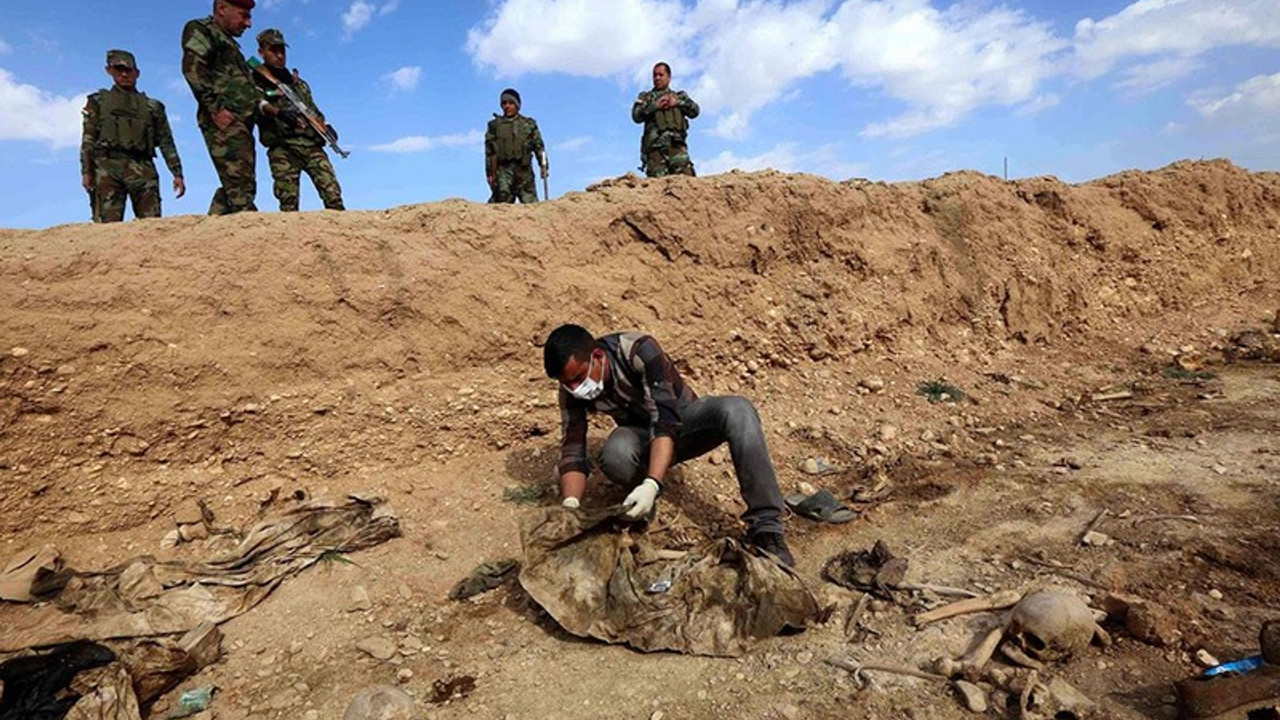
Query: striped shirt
point(642, 389)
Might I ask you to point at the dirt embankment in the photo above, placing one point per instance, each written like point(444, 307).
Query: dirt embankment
point(145, 363)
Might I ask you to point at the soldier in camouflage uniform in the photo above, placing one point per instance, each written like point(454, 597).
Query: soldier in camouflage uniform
point(663, 147)
point(293, 148)
point(228, 98)
point(122, 129)
point(509, 141)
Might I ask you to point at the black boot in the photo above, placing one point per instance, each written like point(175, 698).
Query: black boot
point(774, 544)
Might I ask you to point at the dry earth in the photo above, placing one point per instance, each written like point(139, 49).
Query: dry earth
point(155, 362)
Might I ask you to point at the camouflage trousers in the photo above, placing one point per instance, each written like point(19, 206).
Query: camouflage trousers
point(233, 154)
point(670, 159)
point(514, 181)
point(116, 180)
point(288, 162)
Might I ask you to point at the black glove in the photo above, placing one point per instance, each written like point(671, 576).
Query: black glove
point(291, 117)
point(332, 132)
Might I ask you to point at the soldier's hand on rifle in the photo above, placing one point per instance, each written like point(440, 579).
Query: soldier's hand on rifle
point(223, 119)
point(289, 116)
point(86, 181)
point(179, 187)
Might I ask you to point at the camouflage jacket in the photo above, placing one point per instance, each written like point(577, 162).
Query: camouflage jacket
point(95, 139)
point(217, 72)
point(524, 139)
point(645, 110)
point(274, 132)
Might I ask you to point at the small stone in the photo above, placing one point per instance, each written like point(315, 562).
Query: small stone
point(817, 466)
point(196, 531)
point(788, 712)
point(973, 696)
point(404, 675)
point(379, 648)
point(804, 657)
point(887, 433)
point(1216, 594)
point(359, 601)
point(1205, 659)
point(19, 352)
point(189, 513)
point(170, 540)
point(874, 384)
point(805, 488)
point(381, 702)
point(311, 715)
point(1093, 538)
point(657, 715)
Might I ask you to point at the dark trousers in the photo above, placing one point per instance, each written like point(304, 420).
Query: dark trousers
point(705, 425)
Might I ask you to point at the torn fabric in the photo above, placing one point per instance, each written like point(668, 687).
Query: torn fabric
point(598, 580)
point(145, 597)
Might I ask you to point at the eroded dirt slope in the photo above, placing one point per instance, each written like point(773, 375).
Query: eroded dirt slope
point(147, 363)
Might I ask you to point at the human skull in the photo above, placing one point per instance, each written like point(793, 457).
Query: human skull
point(1050, 626)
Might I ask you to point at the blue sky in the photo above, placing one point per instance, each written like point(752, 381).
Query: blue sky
point(883, 89)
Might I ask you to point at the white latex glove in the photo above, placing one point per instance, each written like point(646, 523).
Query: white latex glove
point(640, 501)
point(570, 503)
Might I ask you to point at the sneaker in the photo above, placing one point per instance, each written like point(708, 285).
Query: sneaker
point(774, 544)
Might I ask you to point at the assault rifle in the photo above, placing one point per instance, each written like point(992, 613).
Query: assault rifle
point(308, 112)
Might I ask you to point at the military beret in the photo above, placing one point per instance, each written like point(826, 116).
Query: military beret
point(271, 37)
point(121, 57)
point(510, 93)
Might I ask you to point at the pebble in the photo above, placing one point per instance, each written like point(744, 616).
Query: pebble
point(887, 433)
point(378, 648)
point(974, 697)
point(19, 352)
point(874, 384)
point(404, 675)
point(1205, 659)
point(1094, 538)
point(657, 715)
point(1216, 594)
point(360, 601)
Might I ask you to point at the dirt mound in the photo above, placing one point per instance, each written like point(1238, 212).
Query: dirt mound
point(146, 362)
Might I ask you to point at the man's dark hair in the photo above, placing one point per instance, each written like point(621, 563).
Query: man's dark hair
point(565, 342)
point(663, 65)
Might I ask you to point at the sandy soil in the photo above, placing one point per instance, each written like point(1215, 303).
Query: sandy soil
point(146, 364)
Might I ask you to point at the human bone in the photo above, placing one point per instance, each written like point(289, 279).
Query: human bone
point(1051, 626)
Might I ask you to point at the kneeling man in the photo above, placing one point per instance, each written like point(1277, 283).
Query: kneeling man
point(661, 422)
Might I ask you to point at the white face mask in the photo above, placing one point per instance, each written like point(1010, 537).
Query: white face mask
point(588, 389)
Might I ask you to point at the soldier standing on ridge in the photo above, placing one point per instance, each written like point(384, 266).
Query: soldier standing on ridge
point(122, 129)
point(509, 141)
point(229, 100)
point(664, 149)
point(293, 147)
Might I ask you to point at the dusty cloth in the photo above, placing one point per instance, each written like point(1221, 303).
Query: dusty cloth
point(485, 577)
point(598, 580)
point(876, 571)
point(32, 575)
point(145, 597)
point(105, 694)
point(36, 686)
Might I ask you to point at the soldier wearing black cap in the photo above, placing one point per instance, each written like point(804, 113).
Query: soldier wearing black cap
point(509, 142)
point(293, 147)
point(122, 129)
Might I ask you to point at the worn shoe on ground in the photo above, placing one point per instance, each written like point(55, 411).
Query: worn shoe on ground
point(774, 544)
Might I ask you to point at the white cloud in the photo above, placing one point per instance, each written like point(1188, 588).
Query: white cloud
point(1038, 103)
point(1174, 27)
point(423, 143)
point(362, 12)
point(404, 79)
point(573, 144)
point(29, 113)
point(739, 56)
point(1254, 99)
point(785, 157)
point(592, 38)
point(1150, 76)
